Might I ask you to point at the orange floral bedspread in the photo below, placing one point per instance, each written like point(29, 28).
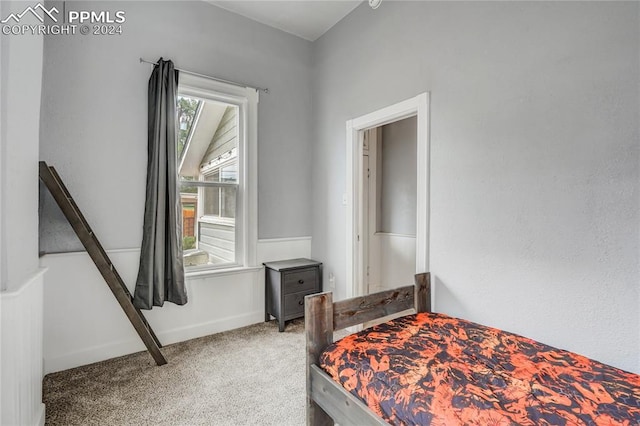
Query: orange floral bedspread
point(431, 369)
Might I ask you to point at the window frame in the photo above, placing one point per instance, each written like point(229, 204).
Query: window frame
point(246, 229)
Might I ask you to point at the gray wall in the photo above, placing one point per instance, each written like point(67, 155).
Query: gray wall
point(94, 113)
point(398, 180)
point(21, 74)
point(534, 219)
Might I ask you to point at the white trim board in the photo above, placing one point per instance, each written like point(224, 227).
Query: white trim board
point(417, 106)
point(283, 248)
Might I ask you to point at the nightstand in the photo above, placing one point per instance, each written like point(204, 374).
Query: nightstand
point(287, 282)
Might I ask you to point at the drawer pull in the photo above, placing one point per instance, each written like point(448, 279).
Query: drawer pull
point(300, 281)
point(301, 302)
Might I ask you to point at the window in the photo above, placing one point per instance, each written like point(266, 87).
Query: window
point(216, 168)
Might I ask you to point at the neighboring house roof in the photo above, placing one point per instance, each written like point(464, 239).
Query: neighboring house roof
point(204, 126)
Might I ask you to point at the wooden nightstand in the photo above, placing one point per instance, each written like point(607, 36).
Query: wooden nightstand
point(287, 282)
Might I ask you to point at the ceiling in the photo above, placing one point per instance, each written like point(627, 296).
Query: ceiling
point(308, 19)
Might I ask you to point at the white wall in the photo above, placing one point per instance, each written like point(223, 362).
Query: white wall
point(20, 275)
point(535, 207)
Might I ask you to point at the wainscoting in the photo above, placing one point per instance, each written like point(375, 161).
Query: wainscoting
point(397, 265)
point(85, 324)
point(21, 363)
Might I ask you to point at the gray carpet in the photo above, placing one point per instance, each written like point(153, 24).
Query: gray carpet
point(250, 376)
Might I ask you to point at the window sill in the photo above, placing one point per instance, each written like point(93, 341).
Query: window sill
point(220, 272)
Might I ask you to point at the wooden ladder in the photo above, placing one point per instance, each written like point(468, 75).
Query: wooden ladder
point(56, 187)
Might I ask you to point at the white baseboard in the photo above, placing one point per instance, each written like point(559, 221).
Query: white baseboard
point(210, 327)
point(117, 349)
point(91, 355)
point(40, 415)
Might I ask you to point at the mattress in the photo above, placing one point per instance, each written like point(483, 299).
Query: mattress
point(432, 369)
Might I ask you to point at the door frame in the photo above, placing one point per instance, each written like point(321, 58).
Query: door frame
point(417, 106)
point(370, 241)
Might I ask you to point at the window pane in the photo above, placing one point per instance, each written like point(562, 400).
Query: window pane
point(219, 241)
point(211, 195)
point(189, 206)
point(208, 150)
point(222, 142)
point(186, 111)
point(189, 200)
point(184, 187)
point(229, 173)
point(212, 177)
point(228, 202)
point(211, 201)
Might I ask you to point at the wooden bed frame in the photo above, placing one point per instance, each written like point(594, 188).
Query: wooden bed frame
point(327, 400)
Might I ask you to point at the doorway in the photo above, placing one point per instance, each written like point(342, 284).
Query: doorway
point(389, 205)
point(359, 216)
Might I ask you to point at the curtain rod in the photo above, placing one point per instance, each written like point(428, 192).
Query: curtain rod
point(265, 90)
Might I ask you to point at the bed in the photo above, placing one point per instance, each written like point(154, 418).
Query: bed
point(428, 368)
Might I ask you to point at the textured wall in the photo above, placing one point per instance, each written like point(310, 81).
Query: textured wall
point(534, 157)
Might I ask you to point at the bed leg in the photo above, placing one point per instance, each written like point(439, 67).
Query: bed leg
point(422, 297)
point(318, 323)
point(316, 415)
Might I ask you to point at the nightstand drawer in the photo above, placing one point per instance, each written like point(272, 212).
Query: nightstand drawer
point(294, 304)
point(302, 280)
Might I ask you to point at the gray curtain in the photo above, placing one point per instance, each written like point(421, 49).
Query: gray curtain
point(161, 271)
